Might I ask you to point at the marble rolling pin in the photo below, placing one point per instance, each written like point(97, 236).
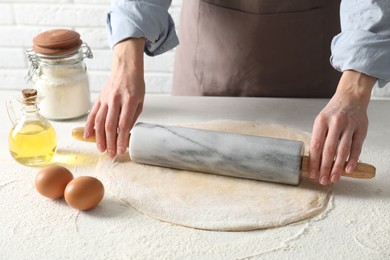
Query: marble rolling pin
point(244, 156)
point(237, 155)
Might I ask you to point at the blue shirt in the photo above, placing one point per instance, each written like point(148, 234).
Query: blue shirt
point(142, 18)
point(363, 44)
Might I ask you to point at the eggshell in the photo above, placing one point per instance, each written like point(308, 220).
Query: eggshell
point(84, 192)
point(52, 180)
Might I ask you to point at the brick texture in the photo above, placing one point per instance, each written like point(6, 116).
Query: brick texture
point(21, 20)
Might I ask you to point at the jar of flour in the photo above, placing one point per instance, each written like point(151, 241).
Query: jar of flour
point(59, 73)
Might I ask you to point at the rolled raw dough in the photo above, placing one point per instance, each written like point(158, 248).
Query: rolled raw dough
point(212, 202)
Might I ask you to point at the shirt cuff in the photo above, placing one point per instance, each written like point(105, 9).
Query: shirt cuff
point(362, 51)
point(137, 20)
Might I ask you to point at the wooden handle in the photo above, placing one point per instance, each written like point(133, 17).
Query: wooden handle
point(362, 170)
point(78, 133)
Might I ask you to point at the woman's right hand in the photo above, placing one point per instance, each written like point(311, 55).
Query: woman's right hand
point(121, 101)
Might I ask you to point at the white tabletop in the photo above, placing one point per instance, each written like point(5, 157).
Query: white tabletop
point(356, 224)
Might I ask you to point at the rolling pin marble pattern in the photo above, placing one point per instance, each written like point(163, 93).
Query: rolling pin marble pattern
point(244, 156)
point(229, 154)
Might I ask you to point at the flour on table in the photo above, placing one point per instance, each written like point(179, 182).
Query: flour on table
point(213, 202)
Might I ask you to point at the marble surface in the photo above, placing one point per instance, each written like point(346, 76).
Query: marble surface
point(244, 156)
point(355, 225)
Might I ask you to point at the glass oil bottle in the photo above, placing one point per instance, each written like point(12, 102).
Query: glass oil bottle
point(32, 140)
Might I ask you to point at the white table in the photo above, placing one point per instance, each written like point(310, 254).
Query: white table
point(356, 224)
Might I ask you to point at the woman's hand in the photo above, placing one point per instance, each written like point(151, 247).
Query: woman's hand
point(120, 102)
point(340, 129)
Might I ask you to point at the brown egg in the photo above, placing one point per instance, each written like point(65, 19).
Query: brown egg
point(84, 192)
point(52, 180)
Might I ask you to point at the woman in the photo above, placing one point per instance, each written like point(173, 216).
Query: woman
point(253, 48)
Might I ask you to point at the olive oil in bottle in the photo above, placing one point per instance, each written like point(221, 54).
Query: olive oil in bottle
point(32, 141)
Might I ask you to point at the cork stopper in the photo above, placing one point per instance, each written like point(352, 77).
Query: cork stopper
point(29, 96)
point(56, 42)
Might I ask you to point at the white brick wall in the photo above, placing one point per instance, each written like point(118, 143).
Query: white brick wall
point(21, 20)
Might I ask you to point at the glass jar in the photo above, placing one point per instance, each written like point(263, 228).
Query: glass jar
point(32, 140)
point(59, 73)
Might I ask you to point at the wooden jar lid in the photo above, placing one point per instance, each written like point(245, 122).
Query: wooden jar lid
point(57, 41)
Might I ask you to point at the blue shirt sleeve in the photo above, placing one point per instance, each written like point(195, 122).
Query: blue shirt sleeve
point(364, 42)
point(142, 18)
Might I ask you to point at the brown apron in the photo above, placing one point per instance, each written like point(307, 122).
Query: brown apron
point(274, 48)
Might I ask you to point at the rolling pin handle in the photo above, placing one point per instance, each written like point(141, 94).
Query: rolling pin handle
point(362, 170)
point(78, 133)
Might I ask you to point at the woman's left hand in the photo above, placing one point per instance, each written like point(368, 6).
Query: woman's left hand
point(340, 129)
